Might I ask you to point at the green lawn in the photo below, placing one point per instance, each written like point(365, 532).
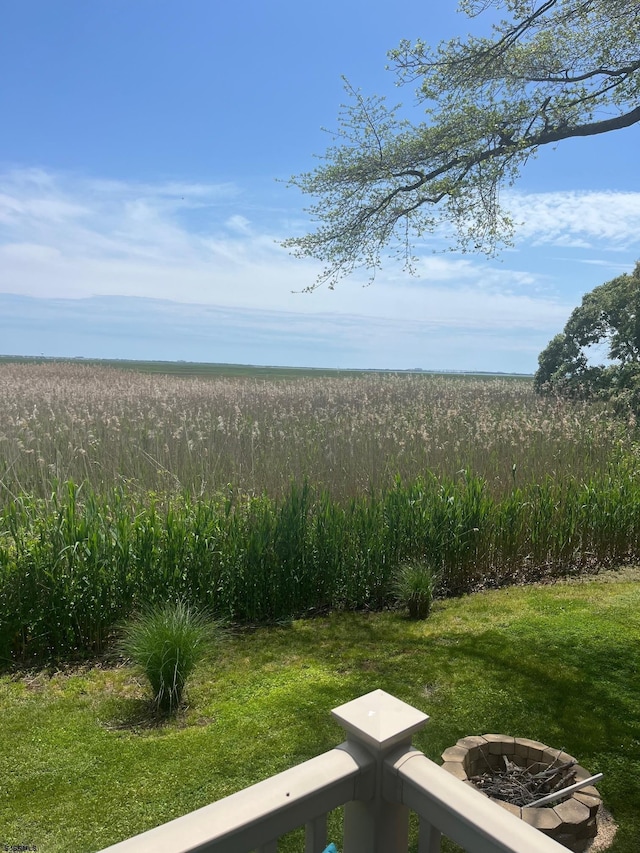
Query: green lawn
point(82, 767)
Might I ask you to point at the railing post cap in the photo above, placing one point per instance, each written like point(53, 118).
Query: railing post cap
point(379, 720)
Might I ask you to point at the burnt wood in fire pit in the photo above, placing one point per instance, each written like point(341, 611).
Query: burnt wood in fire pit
point(521, 786)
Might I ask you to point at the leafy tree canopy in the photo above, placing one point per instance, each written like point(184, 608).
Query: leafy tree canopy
point(550, 71)
point(606, 324)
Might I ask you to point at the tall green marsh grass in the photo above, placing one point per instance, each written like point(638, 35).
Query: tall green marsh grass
point(262, 499)
point(73, 567)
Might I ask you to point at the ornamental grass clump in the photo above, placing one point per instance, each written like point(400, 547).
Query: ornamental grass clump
point(414, 586)
point(167, 642)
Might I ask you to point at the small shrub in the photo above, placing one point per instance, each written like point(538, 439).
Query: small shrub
point(167, 642)
point(414, 587)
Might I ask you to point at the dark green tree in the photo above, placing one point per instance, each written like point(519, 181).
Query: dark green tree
point(552, 70)
point(598, 353)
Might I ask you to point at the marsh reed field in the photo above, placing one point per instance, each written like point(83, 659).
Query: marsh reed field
point(350, 435)
point(264, 498)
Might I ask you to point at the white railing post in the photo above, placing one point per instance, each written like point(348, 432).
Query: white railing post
point(315, 835)
point(380, 723)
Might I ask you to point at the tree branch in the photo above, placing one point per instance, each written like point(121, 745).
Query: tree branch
point(545, 137)
point(588, 75)
point(589, 129)
point(557, 73)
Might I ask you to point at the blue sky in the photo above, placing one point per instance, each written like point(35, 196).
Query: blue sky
point(140, 207)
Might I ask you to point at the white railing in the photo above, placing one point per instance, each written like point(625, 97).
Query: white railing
point(377, 775)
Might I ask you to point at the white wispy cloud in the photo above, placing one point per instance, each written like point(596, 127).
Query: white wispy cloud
point(212, 244)
point(577, 219)
point(239, 223)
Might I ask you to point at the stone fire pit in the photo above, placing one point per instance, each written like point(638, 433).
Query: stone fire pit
point(571, 822)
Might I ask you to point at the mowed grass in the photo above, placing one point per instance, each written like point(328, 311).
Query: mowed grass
point(83, 767)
